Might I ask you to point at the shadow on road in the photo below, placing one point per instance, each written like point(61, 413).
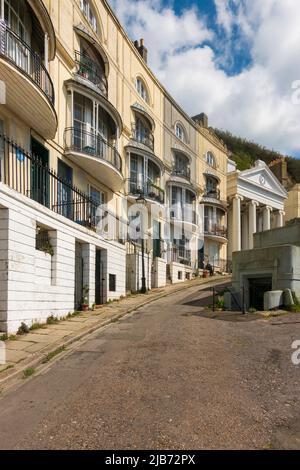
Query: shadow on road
point(232, 317)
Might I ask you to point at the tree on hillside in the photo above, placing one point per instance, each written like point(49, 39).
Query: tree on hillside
point(245, 153)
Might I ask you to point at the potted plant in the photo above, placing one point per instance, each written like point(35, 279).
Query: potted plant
point(85, 303)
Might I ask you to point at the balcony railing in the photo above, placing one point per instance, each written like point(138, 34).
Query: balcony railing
point(215, 229)
point(181, 255)
point(14, 49)
point(24, 173)
point(91, 71)
point(93, 145)
point(182, 173)
point(143, 136)
point(218, 265)
point(212, 193)
point(147, 189)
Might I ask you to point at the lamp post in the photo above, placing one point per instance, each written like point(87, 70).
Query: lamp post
point(142, 200)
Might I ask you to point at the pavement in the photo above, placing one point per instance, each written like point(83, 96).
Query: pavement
point(31, 350)
point(169, 375)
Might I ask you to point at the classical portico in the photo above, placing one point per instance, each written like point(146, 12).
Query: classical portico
point(256, 204)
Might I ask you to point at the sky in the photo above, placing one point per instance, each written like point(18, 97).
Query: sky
point(236, 60)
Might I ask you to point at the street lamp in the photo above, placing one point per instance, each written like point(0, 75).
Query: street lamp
point(142, 200)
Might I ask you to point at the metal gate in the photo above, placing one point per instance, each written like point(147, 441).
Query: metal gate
point(78, 276)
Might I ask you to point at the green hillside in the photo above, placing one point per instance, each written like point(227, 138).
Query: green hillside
point(244, 153)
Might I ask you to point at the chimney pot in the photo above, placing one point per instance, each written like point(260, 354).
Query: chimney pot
point(201, 119)
point(140, 46)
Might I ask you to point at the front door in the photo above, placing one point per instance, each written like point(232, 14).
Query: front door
point(99, 279)
point(40, 182)
point(78, 294)
point(156, 239)
point(64, 190)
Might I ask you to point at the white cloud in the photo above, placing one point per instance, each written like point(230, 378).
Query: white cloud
point(255, 103)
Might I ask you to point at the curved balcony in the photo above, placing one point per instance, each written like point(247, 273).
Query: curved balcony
point(215, 231)
point(147, 189)
point(29, 89)
point(212, 197)
point(91, 72)
point(95, 155)
point(184, 173)
point(143, 136)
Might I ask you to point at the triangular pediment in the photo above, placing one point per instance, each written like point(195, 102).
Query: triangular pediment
point(261, 176)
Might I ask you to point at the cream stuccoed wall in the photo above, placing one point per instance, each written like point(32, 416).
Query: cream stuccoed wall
point(125, 65)
point(208, 142)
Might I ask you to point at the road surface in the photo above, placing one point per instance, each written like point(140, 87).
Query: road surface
point(169, 376)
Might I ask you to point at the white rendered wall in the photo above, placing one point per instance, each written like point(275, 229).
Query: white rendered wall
point(134, 271)
point(159, 273)
point(27, 292)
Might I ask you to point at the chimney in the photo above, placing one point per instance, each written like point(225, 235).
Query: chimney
point(201, 119)
point(141, 49)
point(279, 169)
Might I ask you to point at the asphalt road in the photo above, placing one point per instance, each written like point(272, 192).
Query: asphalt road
point(169, 376)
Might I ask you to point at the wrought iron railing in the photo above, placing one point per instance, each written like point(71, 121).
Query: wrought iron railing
point(143, 136)
point(180, 254)
point(89, 69)
point(147, 189)
point(211, 228)
point(212, 193)
point(92, 144)
point(14, 49)
point(182, 173)
point(24, 172)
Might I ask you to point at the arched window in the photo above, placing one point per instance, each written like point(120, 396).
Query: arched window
point(180, 133)
point(89, 13)
point(141, 89)
point(210, 159)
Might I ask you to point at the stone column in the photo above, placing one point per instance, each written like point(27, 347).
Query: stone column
point(236, 223)
point(267, 218)
point(245, 230)
point(252, 222)
point(280, 219)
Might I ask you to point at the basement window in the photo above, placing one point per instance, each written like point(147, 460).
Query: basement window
point(112, 282)
point(42, 241)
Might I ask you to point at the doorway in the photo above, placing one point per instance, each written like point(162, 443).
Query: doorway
point(257, 289)
point(78, 297)
point(64, 190)
point(99, 279)
point(40, 182)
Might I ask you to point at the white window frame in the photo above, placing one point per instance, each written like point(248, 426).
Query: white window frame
point(210, 159)
point(142, 89)
point(88, 12)
point(180, 132)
